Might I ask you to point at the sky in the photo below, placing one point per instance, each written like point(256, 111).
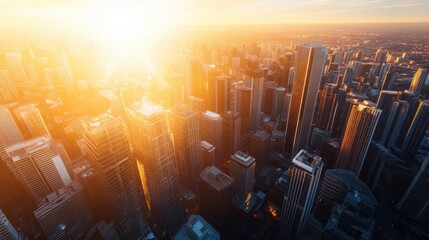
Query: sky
point(24, 13)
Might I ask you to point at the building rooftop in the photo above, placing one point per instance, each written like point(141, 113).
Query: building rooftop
point(197, 228)
point(101, 122)
point(243, 159)
point(307, 161)
point(21, 150)
point(206, 145)
point(261, 134)
point(183, 110)
point(216, 178)
point(147, 108)
point(211, 115)
point(55, 199)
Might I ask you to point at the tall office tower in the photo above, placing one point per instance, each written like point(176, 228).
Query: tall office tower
point(385, 104)
point(41, 164)
point(394, 122)
point(208, 154)
point(357, 66)
point(196, 104)
point(211, 73)
point(304, 176)
point(380, 56)
point(211, 131)
point(388, 78)
point(259, 147)
point(310, 63)
point(152, 144)
point(278, 102)
point(15, 68)
point(215, 194)
point(416, 132)
point(318, 138)
point(32, 121)
point(285, 112)
point(257, 83)
point(243, 171)
point(414, 202)
point(106, 146)
point(278, 191)
point(292, 76)
point(373, 73)
point(8, 128)
point(287, 65)
point(269, 95)
point(244, 101)
point(7, 231)
point(8, 91)
point(65, 214)
point(418, 80)
point(348, 76)
point(231, 132)
point(219, 94)
point(328, 105)
point(194, 79)
point(129, 92)
point(184, 124)
point(359, 131)
point(345, 208)
point(197, 228)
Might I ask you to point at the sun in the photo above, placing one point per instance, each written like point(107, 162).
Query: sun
point(122, 29)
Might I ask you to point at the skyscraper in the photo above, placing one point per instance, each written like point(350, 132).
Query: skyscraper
point(231, 132)
point(8, 91)
point(7, 231)
point(384, 103)
point(197, 228)
point(106, 146)
point(243, 171)
point(30, 118)
point(184, 124)
point(156, 160)
point(418, 80)
point(345, 208)
point(8, 128)
point(359, 130)
point(244, 102)
point(310, 63)
point(215, 194)
point(257, 82)
point(211, 131)
point(259, 147)
point(65, 214)
point(304, 176)
point(41, 164)
point(208, 154)
point(416, 132)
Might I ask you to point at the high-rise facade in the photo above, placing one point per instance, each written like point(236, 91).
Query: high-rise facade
point(41, 164)
point(8, 128)
point(211, 131)
point(231, 132)
point(208, 154)
point(309, 64)
point(416, 132)
point(156, 160)
point(304, 176)
point(106, 146)
point(8, 92)
point(7, 231)
point(385, 103)
point(215, 197)
point(418, 80)
point(30, 118)
point(65, 214)
point(184, 124)
point(243, 171)
point(359, 130)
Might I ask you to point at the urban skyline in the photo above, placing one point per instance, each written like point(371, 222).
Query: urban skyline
point(210, 120)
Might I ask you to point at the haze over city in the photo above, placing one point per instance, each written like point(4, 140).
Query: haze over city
point(207, 120)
